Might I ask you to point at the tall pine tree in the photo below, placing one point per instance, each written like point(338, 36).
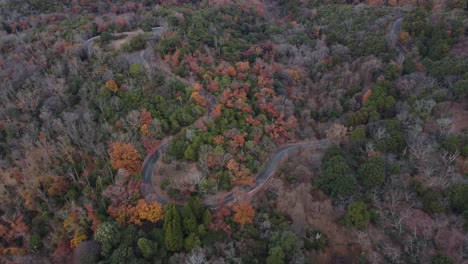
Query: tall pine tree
point(173, 237)
point(189, 221)
point(196, 207)
point(207, 218)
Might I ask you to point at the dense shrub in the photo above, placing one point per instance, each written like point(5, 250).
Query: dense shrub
point(441, 259)
point(373, 172)
point(315, 239)
point(336, 179)
point(357, 215)
point(458, 195)
point(137, 42)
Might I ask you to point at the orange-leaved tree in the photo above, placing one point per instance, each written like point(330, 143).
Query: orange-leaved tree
point(112, 86)
point(145, 117)
point(151, 212)
point(199, 99)
point(125, 156)
point(243, 213)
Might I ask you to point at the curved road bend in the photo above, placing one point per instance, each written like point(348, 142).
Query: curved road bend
point(150, 160)
point(260, 179)
point(148, 167)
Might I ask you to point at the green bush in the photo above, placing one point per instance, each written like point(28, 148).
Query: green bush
point(190, 153)
point(438, 50)
point(465, 218)
point(392, 72)
point(461, 88)
point(452, 143)
point(212, 237)
point(331, 152)
point(137, 42)
point(225, 181)
point(276, 256)
point(123, 254)
point(358, 134)
point(431, 202)
point(136, 70)
point(448, 66)
point(337, 180)
point(191, 242)
point(35, 242)
point(147, 247)
point(441, 259)
point(458, 197)
point(357, 215)
point(373, 172)
point(395, 142)
point(287, 241)
point(409, 66)
point(106, 37)
point(315, 239)
point(358, 117)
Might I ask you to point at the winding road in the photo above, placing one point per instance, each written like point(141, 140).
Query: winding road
point(260, 179)
point(270, 167)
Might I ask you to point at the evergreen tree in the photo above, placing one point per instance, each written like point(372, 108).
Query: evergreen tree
point(373, 172)
point(192, 241)
point(196, 207)
point(207, 218)
point(190, 154)
point(173, 237)
point(357, 215)
point(276, 256)
point(337, 179)
point(147, 247)
point(188, 219)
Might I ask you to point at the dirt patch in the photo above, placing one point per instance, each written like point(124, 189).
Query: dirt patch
point(183, 175)
point(459, 117)
point(116, 44)
point(312, 209)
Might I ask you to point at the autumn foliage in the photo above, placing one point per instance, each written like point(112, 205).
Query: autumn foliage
point(144, 211)
point(244, 213)
point(239, 173)
point(112, 86)
point(366, 96)
point(145, 117)
point(218, 219)
point(199, 99)
point(14, 229)
point(403, 37)
point(125, 156)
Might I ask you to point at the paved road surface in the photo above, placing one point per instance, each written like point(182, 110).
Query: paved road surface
point(260, 179)
point(396, 32)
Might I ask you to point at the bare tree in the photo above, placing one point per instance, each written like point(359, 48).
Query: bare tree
point(445, 125)
point(197, 256)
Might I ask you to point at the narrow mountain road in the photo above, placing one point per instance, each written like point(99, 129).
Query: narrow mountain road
point(395, 33)
point(150, 161)
point(260, 179)
point(271, 166)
